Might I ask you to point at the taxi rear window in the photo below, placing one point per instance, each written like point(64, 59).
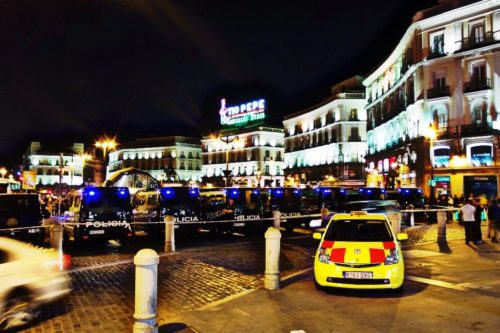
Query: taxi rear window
point(359, 231)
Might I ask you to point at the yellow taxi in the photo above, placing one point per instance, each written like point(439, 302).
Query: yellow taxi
point(359, 250)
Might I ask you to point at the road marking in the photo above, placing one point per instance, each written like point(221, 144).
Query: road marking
point(88, 268)
point(436, 283)
point(296, 273)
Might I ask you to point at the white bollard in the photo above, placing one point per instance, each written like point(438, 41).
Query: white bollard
point(395, 219)
point(412, 219)
point(441, 226)
point(169, 233)
point(56, 241)
point(146, 279)
point(272, 272)
point(276, 219)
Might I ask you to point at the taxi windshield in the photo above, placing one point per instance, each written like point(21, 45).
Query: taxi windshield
point(359, 231)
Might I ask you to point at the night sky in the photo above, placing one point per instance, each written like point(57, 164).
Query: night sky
point(72, 71)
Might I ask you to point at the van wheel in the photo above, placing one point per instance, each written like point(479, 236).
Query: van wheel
point(17, 312)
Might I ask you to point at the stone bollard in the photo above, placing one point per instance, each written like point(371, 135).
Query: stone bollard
point(56, 241)
point(146, 279)
point(276, 219)
point(272, 273)
point(395, 219)
point(441, 226)
point(169, 233)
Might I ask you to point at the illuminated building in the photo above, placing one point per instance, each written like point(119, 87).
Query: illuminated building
point(328, 140)
point(245, 151)
point(168, 159)
point(45, 161)
point(444, 75)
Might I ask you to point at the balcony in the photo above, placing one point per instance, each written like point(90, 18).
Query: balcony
point(478, 41)
point(433, 54)
point(437, 92)
point(477, 129)
point(477, 85)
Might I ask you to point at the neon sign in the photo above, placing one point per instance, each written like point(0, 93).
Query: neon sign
point(242, 114)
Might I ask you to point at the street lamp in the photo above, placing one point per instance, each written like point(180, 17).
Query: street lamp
point(227, 140)
point(431, 135)
point(106, 145)
point(3, 172)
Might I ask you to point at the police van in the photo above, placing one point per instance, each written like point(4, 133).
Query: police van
point(98, 213)
point(288, 200)
point(146, 210)
point(244, 209)
point(183, 203)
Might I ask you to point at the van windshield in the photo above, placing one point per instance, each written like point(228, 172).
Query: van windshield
point(359, 231)
point(106, 197)
point(179, 197)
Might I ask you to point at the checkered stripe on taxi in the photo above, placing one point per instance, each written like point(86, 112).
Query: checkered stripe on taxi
point(375, 255)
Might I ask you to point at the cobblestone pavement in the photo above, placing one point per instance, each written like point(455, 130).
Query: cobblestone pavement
point(103, 281)
point(103, 284)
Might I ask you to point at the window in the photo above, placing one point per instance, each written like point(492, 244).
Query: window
point(478, 73)
point(437, 43)
point(353, 115)
point(439, 79)
point(354, 134)
point(267, 154)
point(477, 33)
point(267, 169)
point(479, 113)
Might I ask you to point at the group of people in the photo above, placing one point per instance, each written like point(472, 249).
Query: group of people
point(471, 215)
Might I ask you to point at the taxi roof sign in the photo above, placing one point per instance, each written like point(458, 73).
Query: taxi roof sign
point(359, 213)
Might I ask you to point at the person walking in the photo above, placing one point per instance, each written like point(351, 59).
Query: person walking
point(478, 216)
point(494, 220)
point(467, 213)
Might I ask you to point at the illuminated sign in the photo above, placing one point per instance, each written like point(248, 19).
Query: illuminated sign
point(242, 114)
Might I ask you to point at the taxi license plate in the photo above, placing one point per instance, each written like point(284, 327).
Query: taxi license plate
point(96, 232)
point(238, 224)
point(358, 275)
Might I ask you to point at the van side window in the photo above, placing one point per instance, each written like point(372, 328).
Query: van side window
point(152, 200)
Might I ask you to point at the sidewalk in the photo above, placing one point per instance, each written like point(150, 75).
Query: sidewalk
point(299, 307)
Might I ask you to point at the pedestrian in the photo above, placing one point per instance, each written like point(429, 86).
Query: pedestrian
point(494, 220)
point(467, 212)
point(478, 217)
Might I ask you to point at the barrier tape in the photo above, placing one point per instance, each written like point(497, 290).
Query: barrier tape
point(62, 222)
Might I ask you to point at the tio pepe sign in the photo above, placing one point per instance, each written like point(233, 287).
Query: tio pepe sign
point(242, 114)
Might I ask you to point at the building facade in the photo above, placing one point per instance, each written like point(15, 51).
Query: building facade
point(167, 159)
point(45, 162)
point(328, 141)
point(245, 151)
point(433, 105)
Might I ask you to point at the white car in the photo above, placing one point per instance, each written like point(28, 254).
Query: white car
point(29, 277)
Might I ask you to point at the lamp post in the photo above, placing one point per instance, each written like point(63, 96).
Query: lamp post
point(431, 134)
point(227, 140)
point(106, 145)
